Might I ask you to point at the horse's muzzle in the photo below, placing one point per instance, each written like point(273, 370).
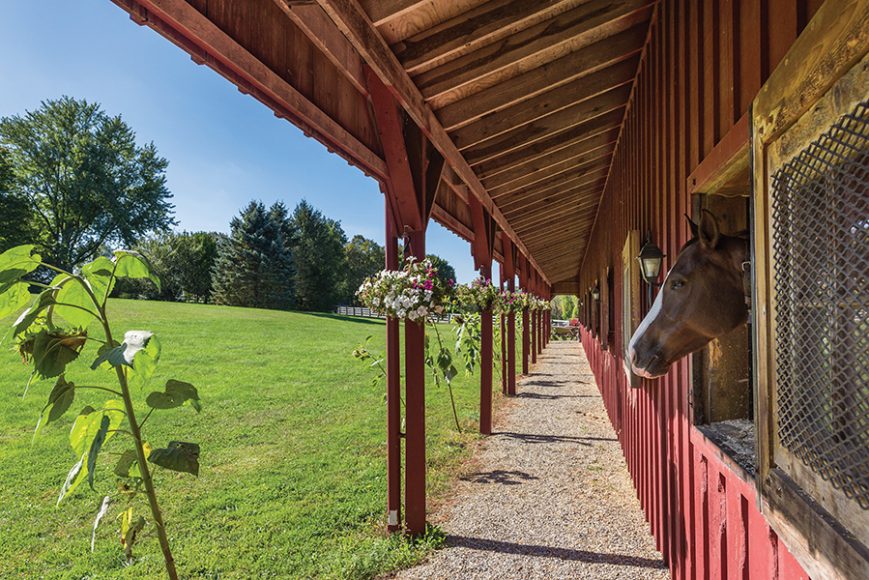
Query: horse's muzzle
point(651, 368)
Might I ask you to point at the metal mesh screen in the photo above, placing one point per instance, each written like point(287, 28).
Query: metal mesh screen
point(821, 264)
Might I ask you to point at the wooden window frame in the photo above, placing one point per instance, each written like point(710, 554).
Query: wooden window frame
point(631, 315)
point(822, 77)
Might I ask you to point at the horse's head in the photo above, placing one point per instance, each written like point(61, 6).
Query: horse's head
point(701, 298)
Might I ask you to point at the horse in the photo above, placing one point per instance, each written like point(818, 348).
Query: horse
point(702, 298)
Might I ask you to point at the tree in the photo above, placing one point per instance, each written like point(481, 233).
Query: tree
point(318, 251)
point(364, 258)
point(85, 182)
point(195, 256)
point(15, 227)
point(254, 267)
point(445, 271)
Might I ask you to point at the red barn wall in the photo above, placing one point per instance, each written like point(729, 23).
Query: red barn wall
point(703, 65)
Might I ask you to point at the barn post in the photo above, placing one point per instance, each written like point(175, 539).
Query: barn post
point(393, 392)
point(523, 283)
point(503, 330)
point(483, 247)
point(509, 273)
point(534, 329)
point(414, 168)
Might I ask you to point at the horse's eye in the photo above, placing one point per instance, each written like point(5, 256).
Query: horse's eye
point(676, 284)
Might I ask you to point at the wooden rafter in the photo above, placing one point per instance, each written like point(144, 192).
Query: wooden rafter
point(353, 21)
point(528, 175)
point(382, 11)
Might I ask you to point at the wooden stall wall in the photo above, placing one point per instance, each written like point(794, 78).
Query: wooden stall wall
point(702, 66)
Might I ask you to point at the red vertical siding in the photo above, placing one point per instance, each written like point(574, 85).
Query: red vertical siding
point(705, 61)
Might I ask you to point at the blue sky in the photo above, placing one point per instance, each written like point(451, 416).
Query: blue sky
point(224, 148)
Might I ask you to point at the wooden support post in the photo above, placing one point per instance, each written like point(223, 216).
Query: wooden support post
point(509, 273)
point(414, 170)
point(483, 248)
point(503, 330)
point(393, 394)
point(523, 282)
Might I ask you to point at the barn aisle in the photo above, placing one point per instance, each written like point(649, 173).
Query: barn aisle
point(548, 494)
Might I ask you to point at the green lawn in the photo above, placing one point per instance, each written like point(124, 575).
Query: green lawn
point(292, 480)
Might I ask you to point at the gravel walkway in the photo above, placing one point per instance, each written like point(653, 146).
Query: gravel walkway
point(548, 495)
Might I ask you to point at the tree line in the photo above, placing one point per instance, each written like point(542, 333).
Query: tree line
point(74, 182)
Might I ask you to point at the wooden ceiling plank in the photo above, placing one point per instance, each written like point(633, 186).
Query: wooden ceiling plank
point(529, 135)
point(590, 186)
point(544, 42)
point(576, 195)
point(352, 20)
point(570, 151)
point(563, 171)
point(523, 200)
point(554, 229)
point(593, 58)
point(574, 136)
point(531, 217)
point(547, 103)
point(526, 175)
point(487, 23)
point(560, 181)
point(382, 11)
point(324, 35)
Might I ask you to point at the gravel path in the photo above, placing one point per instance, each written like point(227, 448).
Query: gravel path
point(548, 494)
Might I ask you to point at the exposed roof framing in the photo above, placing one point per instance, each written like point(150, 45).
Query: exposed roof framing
point(524, 100)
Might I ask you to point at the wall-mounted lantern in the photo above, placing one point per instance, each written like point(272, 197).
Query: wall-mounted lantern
point(595, 293)
point(651, 257)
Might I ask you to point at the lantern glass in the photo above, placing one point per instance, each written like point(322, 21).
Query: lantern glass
point(595, 294)
point(651, 257)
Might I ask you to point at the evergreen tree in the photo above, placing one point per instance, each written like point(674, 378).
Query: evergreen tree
point(253, 266)
point(445, 271)
point(318, 253)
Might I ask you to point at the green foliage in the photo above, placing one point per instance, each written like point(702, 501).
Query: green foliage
point(254, 266)
point(364, 258)
point(318, 251)
point(446, 272)
point(83, 180)
point(53, 332)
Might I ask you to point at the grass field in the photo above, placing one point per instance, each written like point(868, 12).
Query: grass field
point(292, 480)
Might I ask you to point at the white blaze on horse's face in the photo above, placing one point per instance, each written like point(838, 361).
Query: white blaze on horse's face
point(653, 314)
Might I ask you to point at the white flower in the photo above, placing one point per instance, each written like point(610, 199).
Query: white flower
point(135, 340)
point(421, 310)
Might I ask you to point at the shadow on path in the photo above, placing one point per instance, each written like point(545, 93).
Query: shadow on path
point(553, 552)
point(500, 476)
point(533, 438)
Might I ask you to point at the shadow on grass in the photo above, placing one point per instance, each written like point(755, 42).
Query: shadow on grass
point(554, 552)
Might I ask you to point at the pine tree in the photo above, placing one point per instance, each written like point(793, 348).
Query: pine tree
point(254, 266)
point(318, 252)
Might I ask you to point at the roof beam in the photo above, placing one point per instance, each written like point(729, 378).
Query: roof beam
point(544, 78)
point(485, 24)
point(566, 33)
point(352, 20)
point(207, 43)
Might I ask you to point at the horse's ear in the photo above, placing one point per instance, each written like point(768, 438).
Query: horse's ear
point(708, 229)
point(692, 225)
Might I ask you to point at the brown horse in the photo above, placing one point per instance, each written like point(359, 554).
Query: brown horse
point(702, 298)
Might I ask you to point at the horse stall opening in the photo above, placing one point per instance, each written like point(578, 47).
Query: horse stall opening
point(688, 437)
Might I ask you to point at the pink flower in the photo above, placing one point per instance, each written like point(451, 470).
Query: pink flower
point(428, 285)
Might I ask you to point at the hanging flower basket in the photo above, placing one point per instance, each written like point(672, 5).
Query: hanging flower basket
point(478, 296)
point(512, 302)
point(412, 293)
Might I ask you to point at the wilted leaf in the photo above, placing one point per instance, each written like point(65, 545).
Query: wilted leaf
point(130, 529)
point(145, 363)
point(104, 507)
point(54, 349)
point(59, 401)
point(176, 393)
point(73, 478)
point(95, 447)
point(130, 264)
point(178, 456)
point(127, 465)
